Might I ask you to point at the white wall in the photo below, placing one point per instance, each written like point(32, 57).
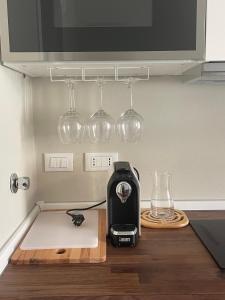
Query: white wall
point(184, 134)
point(16, 149)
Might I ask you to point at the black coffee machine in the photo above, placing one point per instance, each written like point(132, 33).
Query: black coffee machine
point(123, 205)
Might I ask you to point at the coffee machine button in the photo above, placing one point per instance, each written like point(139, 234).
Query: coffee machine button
point(123, 191)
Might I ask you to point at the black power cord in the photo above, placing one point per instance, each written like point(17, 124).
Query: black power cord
point(78, 219)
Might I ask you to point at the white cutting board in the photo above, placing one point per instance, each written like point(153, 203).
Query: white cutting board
point(54, 230)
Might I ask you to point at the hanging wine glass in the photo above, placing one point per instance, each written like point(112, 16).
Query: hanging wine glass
point(70, 124)
point(100, 124)
point(130, 125)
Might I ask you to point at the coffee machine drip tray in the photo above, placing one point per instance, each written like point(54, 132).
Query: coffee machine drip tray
point(212, 235)
point(123, 235)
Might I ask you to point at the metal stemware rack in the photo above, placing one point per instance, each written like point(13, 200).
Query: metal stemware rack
point(100, 75)
point(95, 74)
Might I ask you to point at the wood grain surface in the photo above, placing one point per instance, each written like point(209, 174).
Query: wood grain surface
point(73, 255)
point(166, 264)
point(179, 220)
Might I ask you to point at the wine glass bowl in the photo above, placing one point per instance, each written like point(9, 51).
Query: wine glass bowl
point(100, 124)
point(130, 126)
point(100, 127)
point(70, 127)
point(70, 124)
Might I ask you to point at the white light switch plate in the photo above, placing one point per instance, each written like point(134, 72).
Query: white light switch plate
point(99, 161)
point(58, 162)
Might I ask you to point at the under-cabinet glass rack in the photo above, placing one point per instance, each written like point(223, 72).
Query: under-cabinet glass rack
point(93, 74)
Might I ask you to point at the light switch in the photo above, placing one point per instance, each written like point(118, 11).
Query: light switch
point(52, 162)
point(98, 162)
point(58, 162)
point(64, 162)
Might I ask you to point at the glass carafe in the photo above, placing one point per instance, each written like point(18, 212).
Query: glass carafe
point(162, 206)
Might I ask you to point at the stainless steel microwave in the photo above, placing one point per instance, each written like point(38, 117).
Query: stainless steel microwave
point(102, 30)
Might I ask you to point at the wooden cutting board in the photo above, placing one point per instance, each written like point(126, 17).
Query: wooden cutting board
point(63, 254)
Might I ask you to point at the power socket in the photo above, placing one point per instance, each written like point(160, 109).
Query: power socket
point(99, 161)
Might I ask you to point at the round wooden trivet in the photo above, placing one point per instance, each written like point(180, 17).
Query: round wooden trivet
point(180, 220)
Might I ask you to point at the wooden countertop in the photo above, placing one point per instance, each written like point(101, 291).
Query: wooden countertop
point(166, 264)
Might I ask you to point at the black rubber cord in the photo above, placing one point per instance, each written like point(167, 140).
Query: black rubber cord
point(78, 219)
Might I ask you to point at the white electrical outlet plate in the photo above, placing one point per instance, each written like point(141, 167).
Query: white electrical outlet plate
point(99, 161)
point(58, 162)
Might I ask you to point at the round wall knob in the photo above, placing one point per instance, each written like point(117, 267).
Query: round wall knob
point(22, 183)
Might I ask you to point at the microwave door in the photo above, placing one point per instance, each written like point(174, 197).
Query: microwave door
point(128, 25)
point(95, 25)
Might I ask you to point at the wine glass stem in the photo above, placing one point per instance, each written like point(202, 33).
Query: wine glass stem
point(73, 97)
point(101, 96)
point(131, 96)
point(70, 97)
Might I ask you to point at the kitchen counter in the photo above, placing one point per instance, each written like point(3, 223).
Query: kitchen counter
point(166, 264)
